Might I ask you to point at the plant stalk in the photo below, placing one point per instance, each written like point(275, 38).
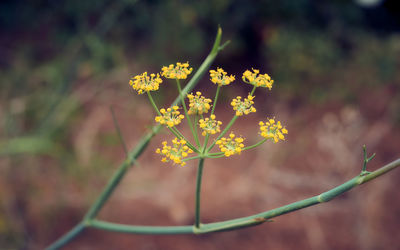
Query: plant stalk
point(67, 237)
point(252, 220)
point(198, 192)
point(215, 99)
point(114, 181)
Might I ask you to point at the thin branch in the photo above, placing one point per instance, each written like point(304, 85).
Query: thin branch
point(198, 192)
point(114, 181)
point(67, 237)
point(252, 220)
point(118, 131)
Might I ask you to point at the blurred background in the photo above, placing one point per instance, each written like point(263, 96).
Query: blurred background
point(337, 80)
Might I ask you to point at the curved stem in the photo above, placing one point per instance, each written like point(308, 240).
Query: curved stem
point(198, 192)
point(255, 219)
point(113, 183)
point(255, 145)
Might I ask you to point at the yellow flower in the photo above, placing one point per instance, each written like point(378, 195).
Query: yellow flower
point(178, 71)
point(198, 104)
point(272, 130)
point(170, 117)
point(231, 145)
point(144, 83)
point(176, 153)
point(258, 80)
point(243, 107)
point(220, 77)
point(210, 126)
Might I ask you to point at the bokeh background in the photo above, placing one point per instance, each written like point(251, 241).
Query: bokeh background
point(337, 86)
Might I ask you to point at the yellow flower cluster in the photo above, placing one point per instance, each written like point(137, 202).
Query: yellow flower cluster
point(258, 80)
point(170, 117)
point(176, 153)
point(230, 146)
point(220, 77)
point(198, 104)
point(243, 107)
point(178, 71)
point(272, 130)
point(144, 83)
point(210, 126)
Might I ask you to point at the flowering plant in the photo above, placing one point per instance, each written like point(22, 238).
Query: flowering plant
point(199, 112)
point(199, 107)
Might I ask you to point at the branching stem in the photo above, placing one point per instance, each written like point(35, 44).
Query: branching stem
point(90, 220)
point(114, 181)
point(252, 220)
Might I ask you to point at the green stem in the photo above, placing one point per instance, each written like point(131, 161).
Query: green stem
point(113, 183)
point(193, 158)
point(366, 159)
point(253, 90)
point(196, 120)
point(198, 192)
point(252, 220)
point(173, 130)
point(223, 132)
point(215, 99)
point(204, 66)
point(121, 228)
point(215, 156)
point(153, 103)
point(115, 180)
point(119, 131)
point(205, 143)
point(383, 170)
point(189, 121)
point(67, 237)
point(255, 145)
point(95, 208)
point(179, 135)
